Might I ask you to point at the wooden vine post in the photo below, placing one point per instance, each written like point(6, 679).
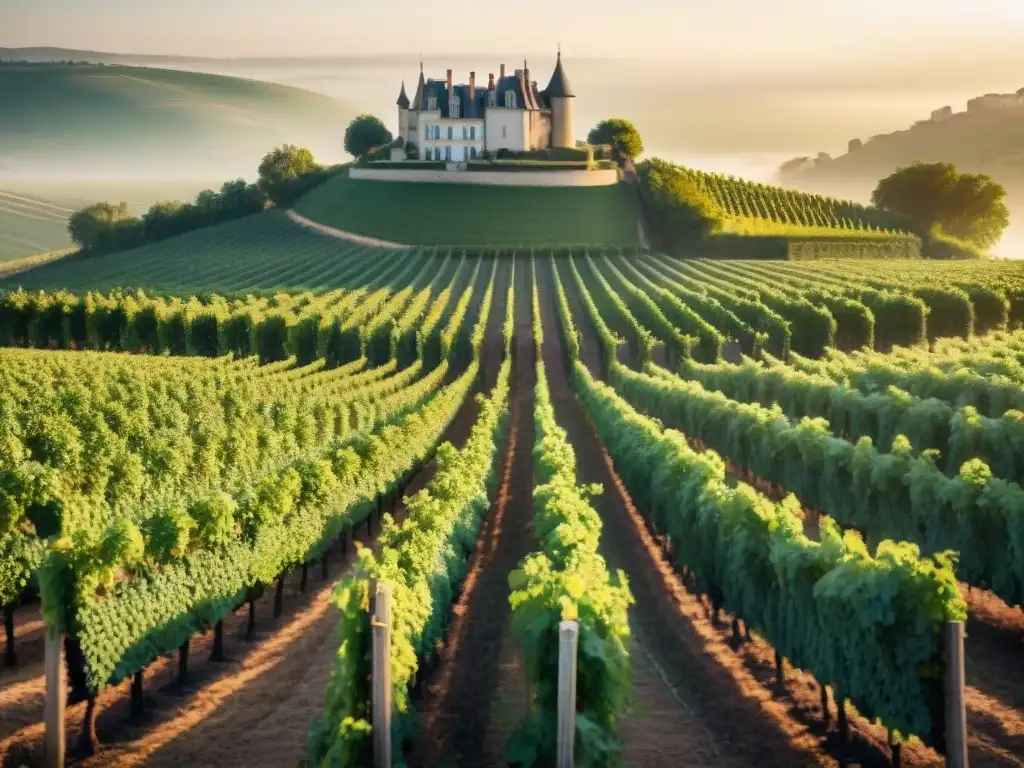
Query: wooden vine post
point(568, 643)
point(56, 695)
point(956, 710)
point(380, 629)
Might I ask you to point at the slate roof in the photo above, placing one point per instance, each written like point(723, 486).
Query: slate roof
point(527, 94)
point(417, 100)
point(559, 85)
point(403, 99)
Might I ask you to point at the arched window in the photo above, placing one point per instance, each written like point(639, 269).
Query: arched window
point(492, 98)
point(510, 99)
point(431, 103)
point(454, 107)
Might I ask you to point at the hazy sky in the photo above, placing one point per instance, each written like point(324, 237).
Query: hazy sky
point(791, 34)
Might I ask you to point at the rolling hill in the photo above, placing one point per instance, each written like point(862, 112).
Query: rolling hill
point(263, 252)
point(89, 121)
point(31, 224)
point(473, 215)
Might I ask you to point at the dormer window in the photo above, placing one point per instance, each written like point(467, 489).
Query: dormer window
point(454, 107)
point(510, 99)
point(492, 99)
point(431, 103)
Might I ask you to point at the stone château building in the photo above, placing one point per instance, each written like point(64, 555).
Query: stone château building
point(454, 123)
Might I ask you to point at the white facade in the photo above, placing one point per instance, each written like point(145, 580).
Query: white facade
point(455, 123)
point(507, 129)
point(451, 140)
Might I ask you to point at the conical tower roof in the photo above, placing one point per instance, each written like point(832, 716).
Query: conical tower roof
point(417, 100)
point(559, 85)
point(403, 99)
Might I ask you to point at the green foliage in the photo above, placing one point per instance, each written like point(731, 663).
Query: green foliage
point(871, 627)
point(721, 215)
point(93, 228)
point(895, 495)
point(103, 228)
point(621, 134)
point(424, 560)
point(171, 489)
point(567, 580)
point(287, 173)
point(365, 133)
point(970, 206)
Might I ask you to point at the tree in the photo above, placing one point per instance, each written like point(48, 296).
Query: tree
point(967, 206)
point(92, 228)
point(282, 169)
point(365, 133)
point(621, 134)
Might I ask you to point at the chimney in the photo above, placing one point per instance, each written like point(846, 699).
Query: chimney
point(490, 82)
point(472, 86)
point(449, 81)
point(502, 71)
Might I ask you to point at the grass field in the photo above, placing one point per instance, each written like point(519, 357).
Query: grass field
point(469, 214)
point(262, 252)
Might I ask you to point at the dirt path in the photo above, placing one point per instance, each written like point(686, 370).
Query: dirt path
point(351, 237)
point(476, 694)
point(693, 702)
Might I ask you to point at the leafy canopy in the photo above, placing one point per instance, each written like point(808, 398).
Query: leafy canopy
point(281, 168)
point(967, 206)
point(90, 227)
point(365, 133)
point(621, 134)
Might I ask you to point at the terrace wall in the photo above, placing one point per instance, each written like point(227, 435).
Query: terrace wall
point(595, 178)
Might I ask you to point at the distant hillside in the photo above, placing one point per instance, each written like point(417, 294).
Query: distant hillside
point(111, 121)
point(49, 53)
point(987, 138)
point(31, 224)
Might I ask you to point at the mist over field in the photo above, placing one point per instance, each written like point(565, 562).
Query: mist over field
point(733, 120)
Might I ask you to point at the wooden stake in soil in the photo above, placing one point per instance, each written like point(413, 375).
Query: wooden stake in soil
point(780, 670)
point(305, 578)
point(956, 711)
point(56, 696)
point(137, 702)
point(568, 642)
point(826, 716)
point(252, 619)
point(380, 628)
point(10, 657)
point(183, 662)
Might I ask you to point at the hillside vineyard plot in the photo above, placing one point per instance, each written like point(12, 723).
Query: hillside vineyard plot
point(827, 457)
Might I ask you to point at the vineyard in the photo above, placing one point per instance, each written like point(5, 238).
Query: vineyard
point(269, 497)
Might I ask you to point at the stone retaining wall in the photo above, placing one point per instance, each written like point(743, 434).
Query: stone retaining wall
point(596, 178)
